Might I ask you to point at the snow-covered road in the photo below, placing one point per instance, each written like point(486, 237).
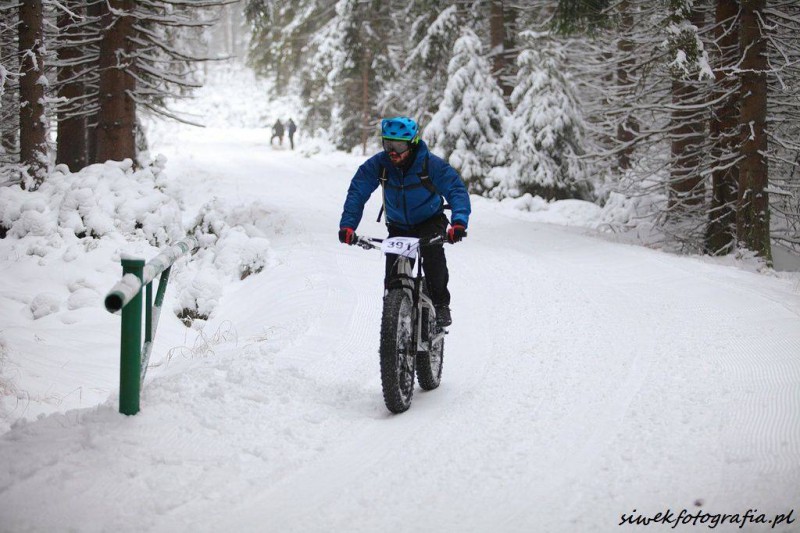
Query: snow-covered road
point(583, 379)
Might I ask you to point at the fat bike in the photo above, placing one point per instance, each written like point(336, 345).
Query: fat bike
point(411, 342)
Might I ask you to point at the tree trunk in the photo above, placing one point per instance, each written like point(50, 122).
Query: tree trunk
point(71, 124)
point(511, 12)
point(32, 122)
point(686, 188)
point(95, 12)
point(497, 51)
point(752, 214)
point(627, 128)
point(365, 107)
point(236, 26)
point(116, 138)
point(226, 31)
point(720, 233)
point(502, 50)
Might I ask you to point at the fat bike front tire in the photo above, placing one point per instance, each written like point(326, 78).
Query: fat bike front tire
point(397, 351)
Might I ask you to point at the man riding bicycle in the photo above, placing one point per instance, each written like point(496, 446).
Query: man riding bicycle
point(413, 182)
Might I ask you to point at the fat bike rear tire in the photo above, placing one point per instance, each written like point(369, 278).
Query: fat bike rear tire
point(429, 364)
point(397, 351)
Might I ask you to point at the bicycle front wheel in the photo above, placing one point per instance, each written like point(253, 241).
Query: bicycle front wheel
point(397, 351)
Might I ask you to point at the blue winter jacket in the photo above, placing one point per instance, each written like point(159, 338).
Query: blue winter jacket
point(408, 202)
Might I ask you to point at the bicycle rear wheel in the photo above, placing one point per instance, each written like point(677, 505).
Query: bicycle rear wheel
point(429, 363)
point(397, 351)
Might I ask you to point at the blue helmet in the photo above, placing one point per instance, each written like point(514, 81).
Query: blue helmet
point(400, 129)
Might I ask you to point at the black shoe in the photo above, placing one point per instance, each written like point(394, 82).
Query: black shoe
point(443, 318)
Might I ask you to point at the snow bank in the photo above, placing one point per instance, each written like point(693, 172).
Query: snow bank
point(233, 244)
point(60, 247)
point(618, 215)
point(62, 243)
point(98, 201)
point(534, 208)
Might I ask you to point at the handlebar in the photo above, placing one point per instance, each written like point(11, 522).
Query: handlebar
point(369, 243)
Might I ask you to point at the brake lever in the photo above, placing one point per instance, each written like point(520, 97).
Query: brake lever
point(365, 244)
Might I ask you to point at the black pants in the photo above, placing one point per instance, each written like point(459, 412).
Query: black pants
point(434, 263)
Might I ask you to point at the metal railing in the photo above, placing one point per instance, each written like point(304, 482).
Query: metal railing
point(126, 296)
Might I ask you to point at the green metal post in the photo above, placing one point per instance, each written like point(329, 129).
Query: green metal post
point(130, 367)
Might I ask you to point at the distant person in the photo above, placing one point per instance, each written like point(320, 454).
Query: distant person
point(290, 126)
point(277, 131)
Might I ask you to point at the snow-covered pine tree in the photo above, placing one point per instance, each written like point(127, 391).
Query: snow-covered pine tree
point(332, 64)
point(158, 63)
point(281, 33)
point(468, 129)
point(345, 73)
point(547, 127)
point(433, 32)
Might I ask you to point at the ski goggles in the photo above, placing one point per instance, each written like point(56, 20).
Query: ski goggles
point(399, 147)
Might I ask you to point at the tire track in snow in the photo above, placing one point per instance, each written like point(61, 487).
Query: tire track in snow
point(499, 389)
point(580, 377)
point(758, 426)
point(349, 464)
point(519, 421)
point(688, 304)
point(588, 427)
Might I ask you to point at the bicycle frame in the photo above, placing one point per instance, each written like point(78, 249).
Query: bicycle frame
point(424, 310)
point(422, 305)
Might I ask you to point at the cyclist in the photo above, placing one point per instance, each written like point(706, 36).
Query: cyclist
point(413, 181)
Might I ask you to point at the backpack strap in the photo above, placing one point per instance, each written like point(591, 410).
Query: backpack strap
point(425, 179)
point(383, 179)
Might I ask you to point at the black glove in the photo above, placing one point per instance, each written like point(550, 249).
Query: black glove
point(456, 233)
point(347, 236)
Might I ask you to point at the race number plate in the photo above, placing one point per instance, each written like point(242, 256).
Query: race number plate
point(405, 246)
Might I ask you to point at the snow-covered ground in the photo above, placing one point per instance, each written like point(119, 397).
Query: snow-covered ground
point(583, 378)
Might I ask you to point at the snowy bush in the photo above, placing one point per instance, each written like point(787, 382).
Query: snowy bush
point(200, 292)
point(97, 201)
point(44, 304)
point(232, 242)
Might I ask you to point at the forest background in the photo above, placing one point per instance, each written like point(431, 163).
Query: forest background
point(683, 114)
